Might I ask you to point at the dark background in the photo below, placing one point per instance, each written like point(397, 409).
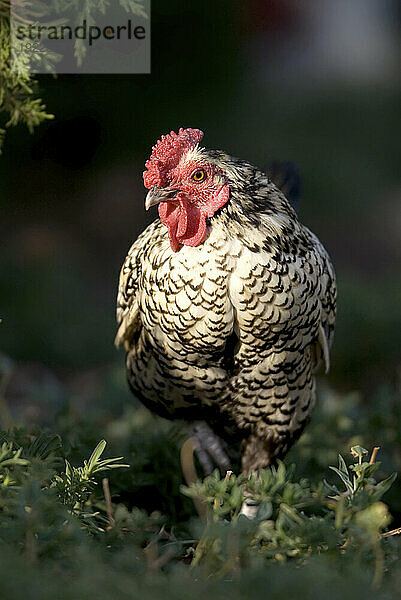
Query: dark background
point(315, 82)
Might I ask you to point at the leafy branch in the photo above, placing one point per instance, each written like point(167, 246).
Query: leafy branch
point(19, 101)
point(76, 484)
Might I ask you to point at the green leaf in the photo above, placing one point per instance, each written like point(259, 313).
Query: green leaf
point(96, 454)
point(383, 486)
point(344, 478)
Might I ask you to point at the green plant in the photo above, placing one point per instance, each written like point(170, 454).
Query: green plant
point(295, 519)
point(19, 101)
point(75, 486)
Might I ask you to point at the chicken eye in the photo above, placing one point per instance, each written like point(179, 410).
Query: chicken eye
point(199, 176)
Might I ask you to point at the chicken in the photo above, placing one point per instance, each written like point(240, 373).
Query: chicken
point(226, 305)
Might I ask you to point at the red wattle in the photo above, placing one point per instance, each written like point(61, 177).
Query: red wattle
point(186, 221)
point(183, 219)
point(195, 229)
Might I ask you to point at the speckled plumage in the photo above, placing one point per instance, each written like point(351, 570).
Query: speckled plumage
point(231, 331)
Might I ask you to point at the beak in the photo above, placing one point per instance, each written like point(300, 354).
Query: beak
point(156, 195)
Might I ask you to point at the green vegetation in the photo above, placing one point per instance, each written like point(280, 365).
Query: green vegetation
point(18, 89)
point(19, 101)
point(317, 524)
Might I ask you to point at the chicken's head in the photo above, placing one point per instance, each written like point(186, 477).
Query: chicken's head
point(187, 187)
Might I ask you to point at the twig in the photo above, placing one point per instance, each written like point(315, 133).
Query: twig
point(374, 454)
point(392, 532)
point(107, 497)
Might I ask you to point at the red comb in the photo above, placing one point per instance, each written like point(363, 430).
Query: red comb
point(166, 154)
